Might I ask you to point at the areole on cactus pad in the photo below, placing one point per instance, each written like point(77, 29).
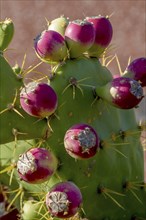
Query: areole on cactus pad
point(70, 148)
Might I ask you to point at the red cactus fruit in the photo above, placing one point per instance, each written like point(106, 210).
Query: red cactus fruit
point(38, 99)
point(64, 200)
point(124, 93)
point(36, 165)
point(50, 46)
point(81, 141)
point(79, 36)
point(137, 70)
point(103, 34)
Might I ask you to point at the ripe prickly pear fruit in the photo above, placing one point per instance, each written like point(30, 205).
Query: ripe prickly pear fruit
point(81, 141)
point(79, 36)
point(103, 34)
point(36, 165)
point(59, 25)
point(6, 33)
point(64, 200)
point(137, 70)
point(124, 93)
point(50, 46)
point(38, 99)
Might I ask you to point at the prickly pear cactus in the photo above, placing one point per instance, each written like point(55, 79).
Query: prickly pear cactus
point(70, 147)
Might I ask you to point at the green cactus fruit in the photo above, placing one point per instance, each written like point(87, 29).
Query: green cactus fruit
point(33, 210)
point(6, 33)
point(59, 24)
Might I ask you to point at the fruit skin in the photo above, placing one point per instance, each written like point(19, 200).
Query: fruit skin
point(103, 34)
point(59, 25)
point(79, 36)
point(137, 70)
point(50, 46)
point(124, 93)
point(81, 141)
point(64, 199)
point(6, 33)
point(38, 99)
point(36, 165)
point(31, 210)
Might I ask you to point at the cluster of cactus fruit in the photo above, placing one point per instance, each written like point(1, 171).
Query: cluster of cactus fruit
point(70, 147)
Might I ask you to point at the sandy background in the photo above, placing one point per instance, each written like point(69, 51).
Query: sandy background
point(128, 20)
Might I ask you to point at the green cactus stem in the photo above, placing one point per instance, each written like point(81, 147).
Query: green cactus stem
point(6, 33)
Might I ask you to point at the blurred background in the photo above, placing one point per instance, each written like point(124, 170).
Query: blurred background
point(128, 18)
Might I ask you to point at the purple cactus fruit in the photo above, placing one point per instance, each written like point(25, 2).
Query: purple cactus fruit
point(137, 70)
point(36, 165)
point(64, 200)
point(103, 34)
point(124, 93)
point(38, 99)
point(79, 36)
point(81, 141)
point(50, 46)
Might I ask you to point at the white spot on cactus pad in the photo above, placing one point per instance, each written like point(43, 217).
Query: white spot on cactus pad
point(136, 89)
point(58, 202)
point(26, 163)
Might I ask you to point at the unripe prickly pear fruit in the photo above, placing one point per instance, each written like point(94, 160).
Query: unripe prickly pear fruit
point(38, 99)
point(124, 93)
point(64, 200)
point(36, 165)
point(31, 210)
point(50, 46)
point(137, 70)
point(59, 25)
point(79, 36)
point(103, 34)
point(6, 33)
point(81, 141)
